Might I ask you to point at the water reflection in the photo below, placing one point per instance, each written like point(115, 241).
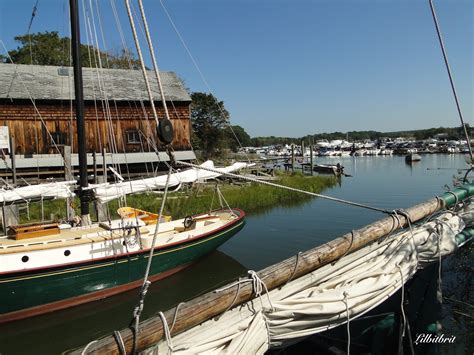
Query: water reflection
point(58, 331)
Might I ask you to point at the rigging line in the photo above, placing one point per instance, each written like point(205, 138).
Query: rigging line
point(127, 54)
point(33, 14)
point(445, 56)
point(157, 72)
point(99, 135)
point(104, 96)
point(155, 66)
point(142, 63)
point(32, 101)
point(104, 102)
point(129, 60)
point(181, 123)
point(236, 176)
point(221, 109)
point(152, 54)
point(99, 17)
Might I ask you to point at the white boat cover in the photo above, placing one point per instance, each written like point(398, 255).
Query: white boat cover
point(60, 189)
point(324, 298)
point(108, 192)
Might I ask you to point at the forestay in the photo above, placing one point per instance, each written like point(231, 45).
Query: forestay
point(108, 192)
point(327, 297)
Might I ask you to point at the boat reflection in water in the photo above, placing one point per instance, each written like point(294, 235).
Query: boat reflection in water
point(74, 326)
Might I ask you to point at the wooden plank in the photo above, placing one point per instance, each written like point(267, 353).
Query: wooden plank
point(212, 304)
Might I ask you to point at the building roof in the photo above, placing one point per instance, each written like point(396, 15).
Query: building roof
point(56, 83)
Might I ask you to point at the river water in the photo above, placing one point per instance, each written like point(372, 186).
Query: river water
point(385, 182)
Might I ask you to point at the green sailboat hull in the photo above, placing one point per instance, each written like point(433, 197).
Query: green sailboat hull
point(26, 294)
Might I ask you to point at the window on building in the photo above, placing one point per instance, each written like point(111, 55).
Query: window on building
point(58, 137)
point(133, 137)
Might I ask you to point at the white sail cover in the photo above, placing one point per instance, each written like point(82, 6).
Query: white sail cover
point(60, 189)
point(108, 192)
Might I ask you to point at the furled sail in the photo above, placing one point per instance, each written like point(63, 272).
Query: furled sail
point(108, 192)
point(60, 189)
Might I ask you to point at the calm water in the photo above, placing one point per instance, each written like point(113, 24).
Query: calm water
point(386, 182)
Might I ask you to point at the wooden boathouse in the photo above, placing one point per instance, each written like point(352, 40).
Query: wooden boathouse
point(36, 104)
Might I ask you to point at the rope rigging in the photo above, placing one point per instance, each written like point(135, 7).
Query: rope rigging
point(451, 81)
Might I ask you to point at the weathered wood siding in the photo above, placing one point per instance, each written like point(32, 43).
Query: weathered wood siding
point(33, 134)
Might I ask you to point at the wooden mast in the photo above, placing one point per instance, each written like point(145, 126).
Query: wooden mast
point(79, 104)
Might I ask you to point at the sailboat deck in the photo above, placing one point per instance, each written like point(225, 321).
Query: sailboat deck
point(72, 236)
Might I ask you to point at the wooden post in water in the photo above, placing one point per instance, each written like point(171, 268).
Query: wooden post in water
point(302, 148)
point(292, 158)
point(68, 175)
point(311, 166)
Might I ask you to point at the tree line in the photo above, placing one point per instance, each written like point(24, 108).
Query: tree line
point(211, 133)
point(421, 134)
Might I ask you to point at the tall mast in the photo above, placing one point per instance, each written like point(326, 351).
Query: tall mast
point(79, 103)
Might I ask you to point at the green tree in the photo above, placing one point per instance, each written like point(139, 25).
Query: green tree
point(48, 48)
point(208, 118)
point(236, 135)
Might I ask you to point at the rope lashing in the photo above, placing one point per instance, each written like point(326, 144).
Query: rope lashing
point(456, 198)
point(257, 287)
point(238, 283)
point(120, 343)
point(175, 316)
point(236, 176)
point(84, 352)
point(167, 332)
point(346, 295)
point(347, 250)
point(297, 256)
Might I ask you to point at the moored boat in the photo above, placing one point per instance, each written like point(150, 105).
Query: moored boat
point(411, 157)
point(79, 265)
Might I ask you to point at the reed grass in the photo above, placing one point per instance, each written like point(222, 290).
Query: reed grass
point(252, 198)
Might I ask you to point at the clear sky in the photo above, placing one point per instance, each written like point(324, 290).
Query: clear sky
point(297, 67)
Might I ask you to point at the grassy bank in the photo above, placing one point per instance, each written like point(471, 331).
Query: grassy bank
point(252, 198)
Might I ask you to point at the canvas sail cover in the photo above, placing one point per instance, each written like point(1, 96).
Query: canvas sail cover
point(108, 192)
point(26, 193)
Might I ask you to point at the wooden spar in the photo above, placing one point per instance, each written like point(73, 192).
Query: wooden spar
point(213, 303)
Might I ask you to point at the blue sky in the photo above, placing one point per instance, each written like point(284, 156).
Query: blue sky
point(291, 68)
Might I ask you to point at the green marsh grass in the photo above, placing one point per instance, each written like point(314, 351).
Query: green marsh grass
point(252, 198)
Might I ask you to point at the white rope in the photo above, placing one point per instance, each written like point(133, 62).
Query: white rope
point(402, 300)
point(167, 332)
point(257, 286)
point(142, 62)
point(84, 351)
point(346, 295)
point(152, 54)
point(119, 340)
